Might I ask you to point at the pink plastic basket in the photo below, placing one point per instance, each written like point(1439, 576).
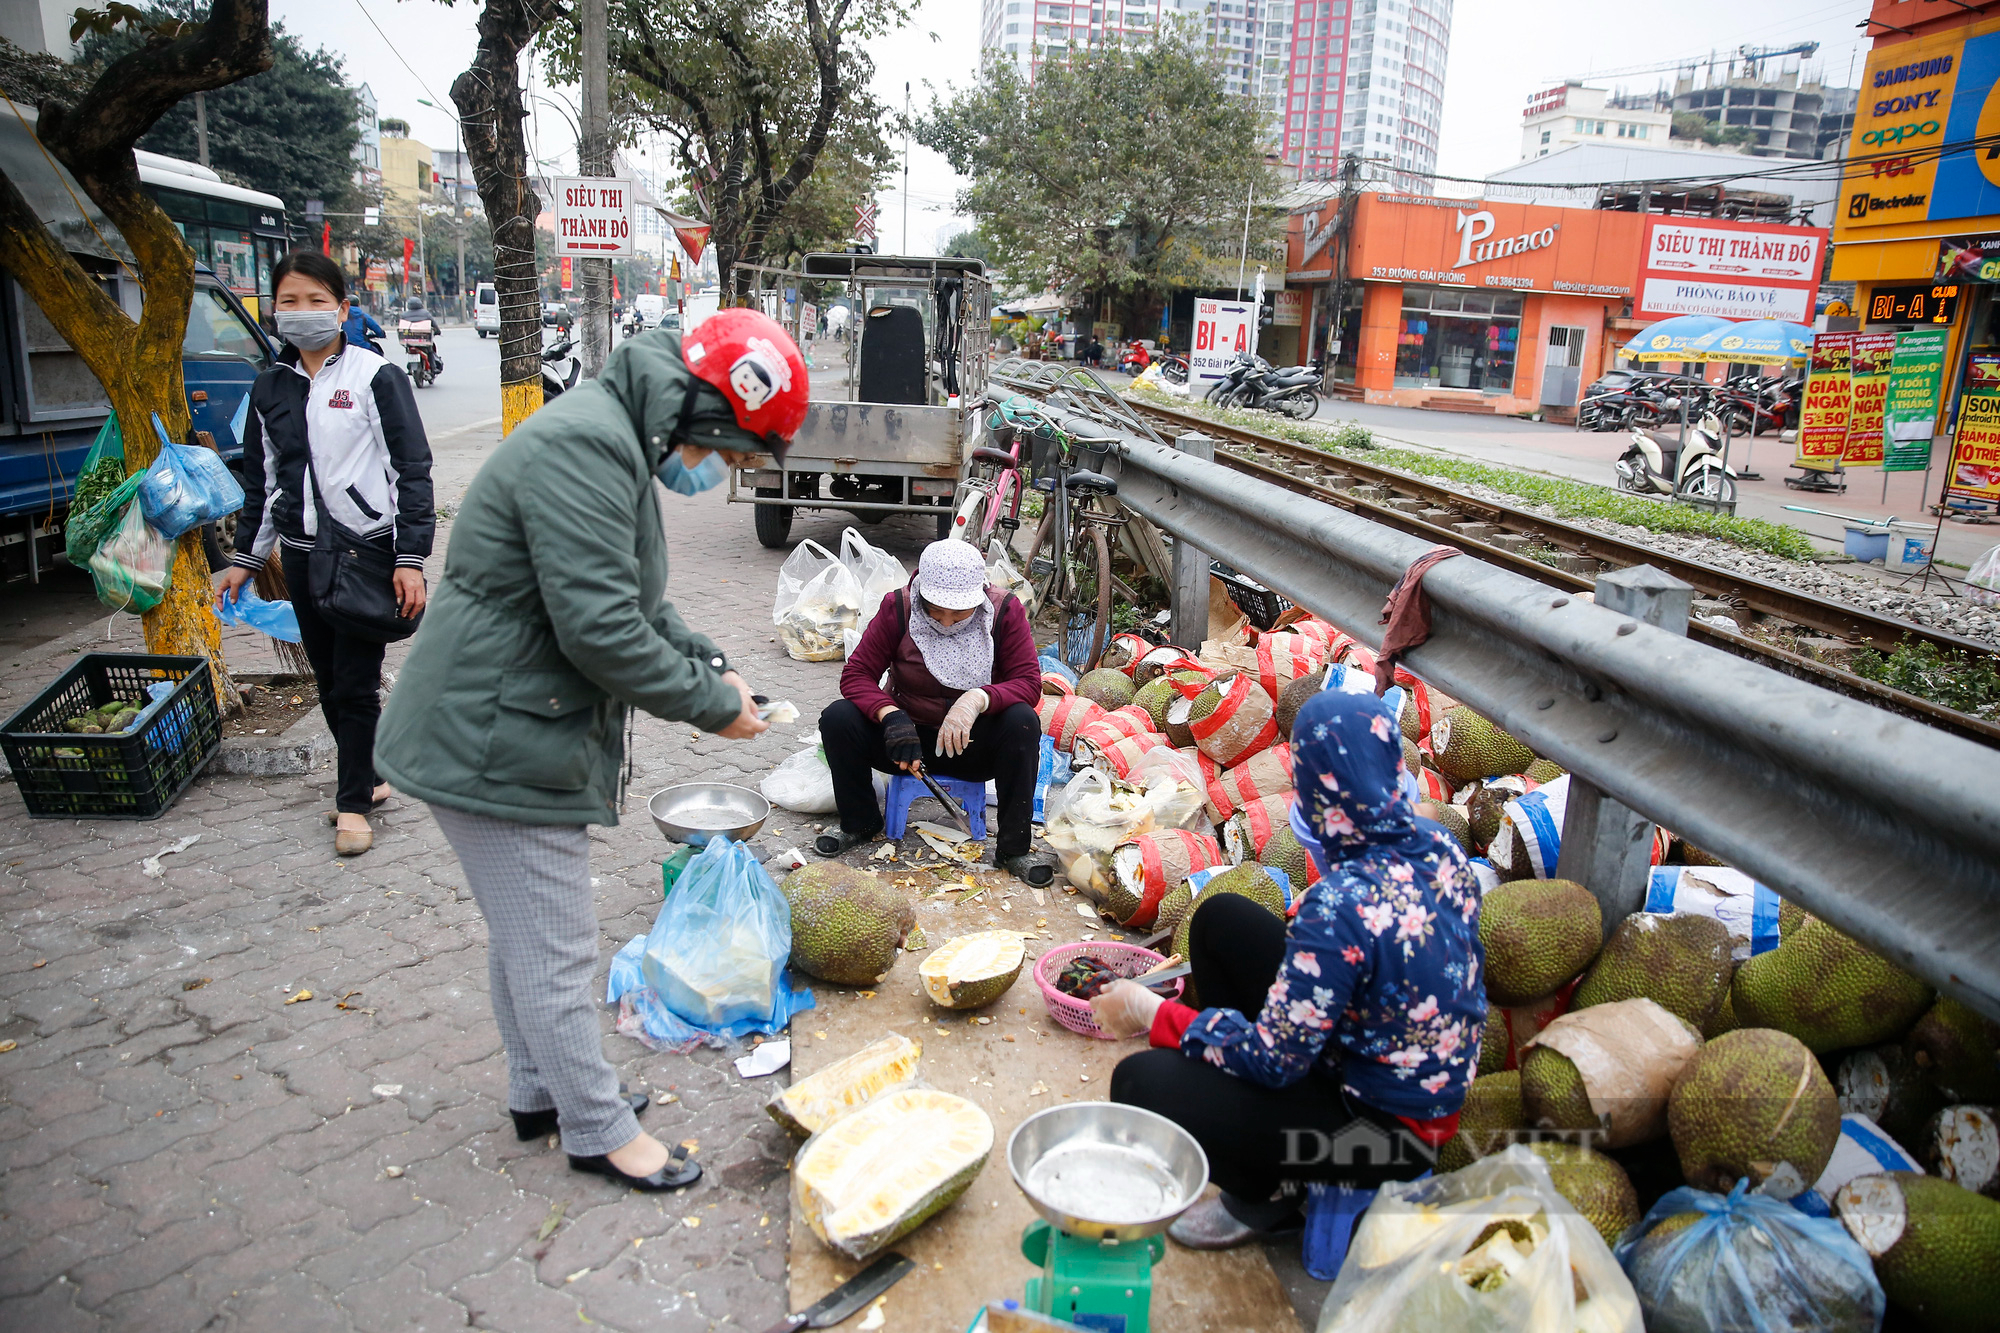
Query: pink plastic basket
point(1127, 960)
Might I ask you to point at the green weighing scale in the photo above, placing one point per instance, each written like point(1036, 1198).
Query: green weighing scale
point(1107, 1179)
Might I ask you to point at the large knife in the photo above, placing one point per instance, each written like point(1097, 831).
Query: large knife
point(951, 807)
point(847, 1298)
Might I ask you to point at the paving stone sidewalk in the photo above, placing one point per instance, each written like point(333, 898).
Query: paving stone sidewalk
point(187, 1145)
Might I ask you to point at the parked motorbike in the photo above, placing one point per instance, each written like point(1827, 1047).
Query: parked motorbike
point(1754, 405)
point(1691, 471)
point(555, 378)
point(419, 339)
point(1253, 382)
point(1135, 360)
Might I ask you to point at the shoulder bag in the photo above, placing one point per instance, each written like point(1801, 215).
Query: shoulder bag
point(351, 579)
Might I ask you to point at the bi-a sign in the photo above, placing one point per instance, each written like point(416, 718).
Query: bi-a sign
point(593, 217)
point(1222, 330)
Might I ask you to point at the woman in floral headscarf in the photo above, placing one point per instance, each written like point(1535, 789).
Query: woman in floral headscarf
point(1338, 1047)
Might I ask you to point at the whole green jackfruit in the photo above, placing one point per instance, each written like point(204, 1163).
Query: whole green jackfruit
point(1828, 990)
point(1960, 1050)
point(1545, 771)
point(1537, 935)
point(1173, 907)
point(1680, 961)
point(1154, 696)
point(1454, 820)
point(1413, 758)
point(1468, 746)
point(1493, 1042)
point(1487, 1120)
point(1283, 852)
point(1936, 1246)
point(1293, 697)
point(1722, 1020)
point(1552, 1091)
point(1106, 688)
point(1748, 1103)
point(1248, 880)
point(1595, 1185)
point(846, 924)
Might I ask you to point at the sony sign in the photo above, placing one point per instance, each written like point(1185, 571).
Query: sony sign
point(1474, 248)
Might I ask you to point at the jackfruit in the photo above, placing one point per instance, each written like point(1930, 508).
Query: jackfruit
point(1537, 935)
point(1155, 696)
point(1249, 881)
point(1748, 1103)
point(1962, 1144)
point(816, 1101)
point(878, 1173)
point(1552, 1091)
point(1175, 724)
point(1264, 817)
point(1172, 908)
point(1493, 1042)
point(1468, 746)
point(1413, 758)
point(1886, 1084)
point(1680, 961)
point(1960, 1050)
point(1293, 697)
point(1722, 1020)
point(1484, 811)
point(1695, 856)
point(1106, 688)
point(1827, 990)
point(1487, 1122)
point(1545, 771)
point(1454, 821)
point(972, 970)
point(1594, 1184)
point(1936, 1246)
point(1411, 725)
point(846, 924)
point(1283, 852)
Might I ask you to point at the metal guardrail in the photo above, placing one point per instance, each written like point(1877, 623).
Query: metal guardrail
point(1887, 829)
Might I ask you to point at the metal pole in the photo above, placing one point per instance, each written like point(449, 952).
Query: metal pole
point(594, 159)
point(201, 128)
point(1243, 255)
point(906, 168)
point(1191, 572)
point(458, 208)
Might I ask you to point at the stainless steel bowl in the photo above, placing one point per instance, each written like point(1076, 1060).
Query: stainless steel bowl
point(1106, 1171)
point(694, 812)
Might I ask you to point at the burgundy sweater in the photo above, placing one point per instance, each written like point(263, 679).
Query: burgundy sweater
point(886, 646)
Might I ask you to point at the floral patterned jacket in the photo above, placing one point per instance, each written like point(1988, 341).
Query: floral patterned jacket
point(1382, 981)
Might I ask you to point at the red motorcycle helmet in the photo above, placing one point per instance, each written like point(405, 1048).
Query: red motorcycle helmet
point(750, 359)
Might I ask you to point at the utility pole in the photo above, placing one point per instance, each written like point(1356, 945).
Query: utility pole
point(906, 169)
point(201, 128)
point(593, 152)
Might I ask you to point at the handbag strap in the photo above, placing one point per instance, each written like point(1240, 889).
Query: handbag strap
point(323, 537)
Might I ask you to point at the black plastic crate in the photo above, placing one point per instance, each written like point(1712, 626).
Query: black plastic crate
point(132, 775)
point(1252, 598)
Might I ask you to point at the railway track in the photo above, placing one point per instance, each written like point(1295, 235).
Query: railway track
point(1504, 535)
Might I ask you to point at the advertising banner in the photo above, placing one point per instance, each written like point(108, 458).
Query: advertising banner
point(1975, 452)
point(1868, 372)
point(593, 217)
point(1735, 270)
point(1829, 395)
point(1916, 97)
point(1221, 330)
point(1909, 410)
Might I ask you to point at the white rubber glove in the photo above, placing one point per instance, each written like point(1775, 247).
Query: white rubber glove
point(956, 730)
point(1126, 1009)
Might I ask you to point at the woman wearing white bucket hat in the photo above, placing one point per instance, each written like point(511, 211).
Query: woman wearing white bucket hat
point(962, 685)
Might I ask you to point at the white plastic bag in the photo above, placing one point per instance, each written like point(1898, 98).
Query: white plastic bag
point(1000, 572)
point(876, 572)
point(134, 565)
point(802, 783)
point(818, 597)
point(1982, 584)
point(1422, 1259)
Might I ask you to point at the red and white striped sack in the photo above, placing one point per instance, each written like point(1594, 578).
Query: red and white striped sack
point(1131, 720)
point(1064, 715)
point(1241, 725)
point(1431, 786)
point(1125, 650)
point(1252, 826)
point(1166, 857)
point(1283, 658)
point(1057, 684)
point(1119, 755)
point(1265, 773)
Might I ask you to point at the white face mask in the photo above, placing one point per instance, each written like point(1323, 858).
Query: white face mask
point(308, 330)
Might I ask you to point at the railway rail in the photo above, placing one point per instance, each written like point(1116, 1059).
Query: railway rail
point(1498, 533)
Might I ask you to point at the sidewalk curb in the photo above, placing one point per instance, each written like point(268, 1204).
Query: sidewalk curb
point(300, 748)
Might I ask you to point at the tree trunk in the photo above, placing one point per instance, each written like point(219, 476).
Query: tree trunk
point(488, 98)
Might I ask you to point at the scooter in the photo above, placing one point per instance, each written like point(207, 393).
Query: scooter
point(555, 380)
point(1691, 471)
point(419, 341)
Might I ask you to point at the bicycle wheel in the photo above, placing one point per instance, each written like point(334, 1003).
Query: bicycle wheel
point(1099, 573)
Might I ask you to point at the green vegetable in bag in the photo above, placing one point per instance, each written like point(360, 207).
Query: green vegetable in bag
point(102, 492)
point(133, 567)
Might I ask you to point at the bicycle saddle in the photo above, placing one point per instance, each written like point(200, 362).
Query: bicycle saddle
point(1091, 483)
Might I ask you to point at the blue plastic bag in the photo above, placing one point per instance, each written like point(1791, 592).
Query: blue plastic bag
point(1749, 1262)
point(186, 487)
point(713, 966)
point(276, 619)
point(1052, 773)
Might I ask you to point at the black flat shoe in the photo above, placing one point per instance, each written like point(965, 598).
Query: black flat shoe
point(539, 1124)
point(678, 1173)
point(839, 840)
point(1031, 868)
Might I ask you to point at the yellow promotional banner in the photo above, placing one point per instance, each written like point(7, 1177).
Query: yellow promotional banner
point(1868, 372)
point(1975, 450)
point(1829, 398)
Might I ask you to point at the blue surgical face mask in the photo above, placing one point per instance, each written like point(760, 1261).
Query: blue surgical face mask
point(681, 479)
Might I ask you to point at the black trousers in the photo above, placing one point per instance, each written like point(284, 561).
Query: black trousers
point(349, 674)
point(1259, 1139)
point(1005, 749)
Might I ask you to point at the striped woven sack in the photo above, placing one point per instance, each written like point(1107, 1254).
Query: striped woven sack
point(1117, 754)
point(1123, 652)
point(1241, 725)
point(1065, 715)
point(1251, 826)
point(1131, 720)
point(1056, 684)
point(1265, 773)
point(1283, 658)
point(1152, 865)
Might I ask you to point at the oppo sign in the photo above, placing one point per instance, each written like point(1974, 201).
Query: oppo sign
point(1474, 248)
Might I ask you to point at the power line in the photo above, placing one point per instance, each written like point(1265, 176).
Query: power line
point(393, 51)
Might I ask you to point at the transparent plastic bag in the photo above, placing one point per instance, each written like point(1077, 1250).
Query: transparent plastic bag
point(1749, 1261)
point(276, 619)
point(102, 491)
point(876, 572)
point(1000, 572)
point(186, 487)
point(1492, 1248)
point(802, 783)
point(818, 598)
point(1982, 584)
point(134, 565)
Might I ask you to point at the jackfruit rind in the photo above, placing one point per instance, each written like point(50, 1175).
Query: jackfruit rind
point(846, 924)
point(1552, 1091)
point(1594, 1184)
point(1959, 1049)
point(1537, 935)
point(1493, 1042)
point(973, 970)
point(1284, 852)
point(1680, 961)
point(1486, 1122)
point(1936, 1246)
point(816, 1101)
point(1468, 746)
point(1106, 688)
point(1454, 820)
point(1154, 696)
point(1747, 1103)
point(1293, 697)
point(877, 1174)
point(1828, 990)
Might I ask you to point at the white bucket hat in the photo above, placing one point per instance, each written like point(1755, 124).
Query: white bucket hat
point(951, 575)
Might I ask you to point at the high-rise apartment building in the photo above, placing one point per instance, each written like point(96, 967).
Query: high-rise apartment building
point(1333, 77)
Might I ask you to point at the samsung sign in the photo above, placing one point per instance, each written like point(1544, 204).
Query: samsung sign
point(1474, 248)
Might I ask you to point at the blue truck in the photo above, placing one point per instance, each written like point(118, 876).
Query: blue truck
point(51, 406)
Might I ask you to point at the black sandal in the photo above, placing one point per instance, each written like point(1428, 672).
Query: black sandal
point(839, 840)
point(1031, 868)
point(678, 1173)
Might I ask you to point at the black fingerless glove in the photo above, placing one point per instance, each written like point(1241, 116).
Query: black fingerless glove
point(899, 737)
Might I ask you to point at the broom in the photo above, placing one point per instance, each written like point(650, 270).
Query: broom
point(270, 585)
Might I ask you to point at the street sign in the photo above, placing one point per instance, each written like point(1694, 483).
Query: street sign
point(593, 217)
point(1221, 330)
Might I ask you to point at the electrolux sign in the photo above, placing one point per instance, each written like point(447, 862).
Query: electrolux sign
point(1735, 270)
point(1916, 97)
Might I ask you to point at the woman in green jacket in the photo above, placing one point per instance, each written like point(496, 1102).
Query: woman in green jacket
point(549, 623)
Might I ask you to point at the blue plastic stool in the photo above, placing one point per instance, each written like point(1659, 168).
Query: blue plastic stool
point(903, 789)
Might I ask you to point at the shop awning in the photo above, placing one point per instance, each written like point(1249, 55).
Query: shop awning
point(1668, 340)
point(1757, 342)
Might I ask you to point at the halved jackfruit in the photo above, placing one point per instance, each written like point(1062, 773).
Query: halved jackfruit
point(813, 1103)
point(879, 1173)
point(972, 970)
